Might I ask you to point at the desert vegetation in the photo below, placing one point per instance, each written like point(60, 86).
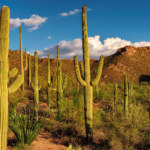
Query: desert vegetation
point(75, 110)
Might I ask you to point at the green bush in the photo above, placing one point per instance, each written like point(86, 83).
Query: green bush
point(25, 126)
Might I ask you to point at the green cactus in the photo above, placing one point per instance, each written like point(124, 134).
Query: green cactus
point(29, 71)
point(59, 85)
point(86, 81)
point(48, 82)
point(126, 95)
point(4, 69)
point(21, 59)
point(35, 86)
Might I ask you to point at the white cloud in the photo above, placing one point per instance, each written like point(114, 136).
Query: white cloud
point(49, 37)
point(33, 22)
point(73, 12)
point(141, 44)
point(68, 49)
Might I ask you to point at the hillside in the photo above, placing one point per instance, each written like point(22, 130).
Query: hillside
point(131, 61)
point(134, 62)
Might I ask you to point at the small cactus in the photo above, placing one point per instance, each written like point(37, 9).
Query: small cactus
point(4, 69)
point(126, 95)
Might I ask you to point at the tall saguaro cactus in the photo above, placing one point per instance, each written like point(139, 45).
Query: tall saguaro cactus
point(59, 85)
point(86, 80)
point(126, 95)
point(21, 59)
point(29, 71)
point(35, 86)
point(48, 81)
point(4, 69)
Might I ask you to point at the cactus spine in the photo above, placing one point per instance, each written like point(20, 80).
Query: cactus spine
point(126, 95)
point(29, 71)
point(59, 85)
point(21, 59)
point(4, 68)
point(86, 81)
point(48, 81)
point(35, 86)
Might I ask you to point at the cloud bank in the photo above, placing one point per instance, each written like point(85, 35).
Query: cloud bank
point(68, 49)
point(33, 22)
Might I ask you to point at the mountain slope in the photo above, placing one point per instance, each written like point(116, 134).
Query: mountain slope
point(129, 60)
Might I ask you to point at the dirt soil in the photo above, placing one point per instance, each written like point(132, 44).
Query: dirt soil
point(44, 141)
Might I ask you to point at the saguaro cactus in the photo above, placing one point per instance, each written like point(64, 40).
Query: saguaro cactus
point(21, 59)
point(35, 86)
point(59, 85)
point(86, 81)
point(48, 81)
point(4, 68)
point(126, 95)
point(29, 71)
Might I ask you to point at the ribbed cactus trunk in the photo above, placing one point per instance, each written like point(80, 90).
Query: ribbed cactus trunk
point(4, 68)
point(48, 82)
point(29, 71)
point(86, 80)
point(4, 49)
point(88, 89)
point(126, 95)
point(36, 86)
point(21, 59)
point(59, 86)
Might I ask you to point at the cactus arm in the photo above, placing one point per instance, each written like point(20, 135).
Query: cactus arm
point(82, 69)
point(26, 59)
point(99, 72)
point(77, 72)
point(13, 73)
point(16, 84)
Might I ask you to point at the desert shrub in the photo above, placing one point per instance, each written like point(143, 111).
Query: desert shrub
point(25, 126)
point(127, 132)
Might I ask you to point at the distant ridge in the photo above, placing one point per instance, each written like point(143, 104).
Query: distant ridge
point(129, 60)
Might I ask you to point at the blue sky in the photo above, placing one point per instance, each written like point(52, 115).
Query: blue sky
point(111, 24)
